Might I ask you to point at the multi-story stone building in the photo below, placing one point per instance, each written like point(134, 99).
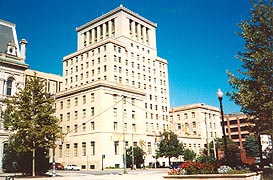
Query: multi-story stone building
point(196, 125)
point(53, 83)
point(116, 92)
point(12, 68)
point(14, 71)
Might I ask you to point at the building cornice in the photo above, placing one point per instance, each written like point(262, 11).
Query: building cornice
point(110, 13)
point(90, 47)
point(13, 62)
point(194, 106)
point(99, 84)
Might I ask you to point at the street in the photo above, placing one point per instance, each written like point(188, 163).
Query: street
point(108, 174)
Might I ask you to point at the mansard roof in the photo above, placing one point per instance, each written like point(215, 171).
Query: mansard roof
point(7, 36)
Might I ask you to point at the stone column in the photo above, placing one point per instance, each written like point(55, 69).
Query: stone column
point(98, 33)
point(110, 28)
point(104, 31)
point(87, 38)
point(138, 32)
point(144, 34)
point(92, 36)
point(133, 30)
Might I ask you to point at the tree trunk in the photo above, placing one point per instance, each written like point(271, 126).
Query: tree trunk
point(33, 162)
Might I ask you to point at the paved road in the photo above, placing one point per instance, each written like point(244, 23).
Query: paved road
point(147, 174)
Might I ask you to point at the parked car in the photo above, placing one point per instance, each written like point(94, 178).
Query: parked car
point(58, 166)
point(72, 167)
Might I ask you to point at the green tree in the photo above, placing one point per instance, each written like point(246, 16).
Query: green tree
point(169, 146)
point(189, 155)
point(138, 155)
point(29, 115)
point(251, 146)
point(253, 88)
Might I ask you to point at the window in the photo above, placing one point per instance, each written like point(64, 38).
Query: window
point(133, 115)
point(125, 126)
point(9, 86)
point(92, 150)
point(61, 105)
point(84, 99)
point(84, 149)
point(194, 124)
point(149, 148)
point(83, 127)
point(76, 101)
point(134, 127)
point(61, 117)
point(92, 97)
point(68, 103)
point(92, 126)
point(185, 116)
point(115, 126)
point(76, 128)
point(92, 111)
point(84, 113)
point(116, 147)
point(193, 114)
point(68, 116)
point(60, 151)
point(76, 114)
point(67, 150)
point(115, 112)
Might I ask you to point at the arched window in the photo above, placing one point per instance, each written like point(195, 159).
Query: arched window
point(9, 86)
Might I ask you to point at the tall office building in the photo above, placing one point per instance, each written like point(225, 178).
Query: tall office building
point(116, 92)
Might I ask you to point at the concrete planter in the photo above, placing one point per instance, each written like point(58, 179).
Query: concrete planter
point(246, 176)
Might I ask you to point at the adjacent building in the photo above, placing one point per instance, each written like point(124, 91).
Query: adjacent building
point(12, 68)
point(116, 92)
point(14, 71)
point(196, 125)
point(236, 126)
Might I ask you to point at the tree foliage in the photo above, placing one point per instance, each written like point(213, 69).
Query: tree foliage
point(169, 146)
point(251, 146)
point(189, 155)
point(29, 115)
point(233, 152)
point(253, 88)
point(138, 155)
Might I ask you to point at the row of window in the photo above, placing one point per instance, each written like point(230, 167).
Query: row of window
point(153, 127)
point(76, 114)
point(83, 100)
point(76, 151)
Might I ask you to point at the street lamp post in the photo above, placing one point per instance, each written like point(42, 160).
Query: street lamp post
point(220, 97)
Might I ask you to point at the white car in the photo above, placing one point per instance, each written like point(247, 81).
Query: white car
point(72, 167)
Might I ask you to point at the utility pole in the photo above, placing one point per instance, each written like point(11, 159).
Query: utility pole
point(123, 132)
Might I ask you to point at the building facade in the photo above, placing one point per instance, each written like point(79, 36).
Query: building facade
point(12, 68)
point(236, 126)
point(14, 71)
point(116, 92)
point(196, 126)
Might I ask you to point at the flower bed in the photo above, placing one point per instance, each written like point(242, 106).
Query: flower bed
point(246, 176)
point(204, 171)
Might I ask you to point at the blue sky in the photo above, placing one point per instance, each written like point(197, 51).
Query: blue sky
point(197, 37)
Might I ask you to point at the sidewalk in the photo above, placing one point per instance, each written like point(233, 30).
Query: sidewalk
point(104, 175)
